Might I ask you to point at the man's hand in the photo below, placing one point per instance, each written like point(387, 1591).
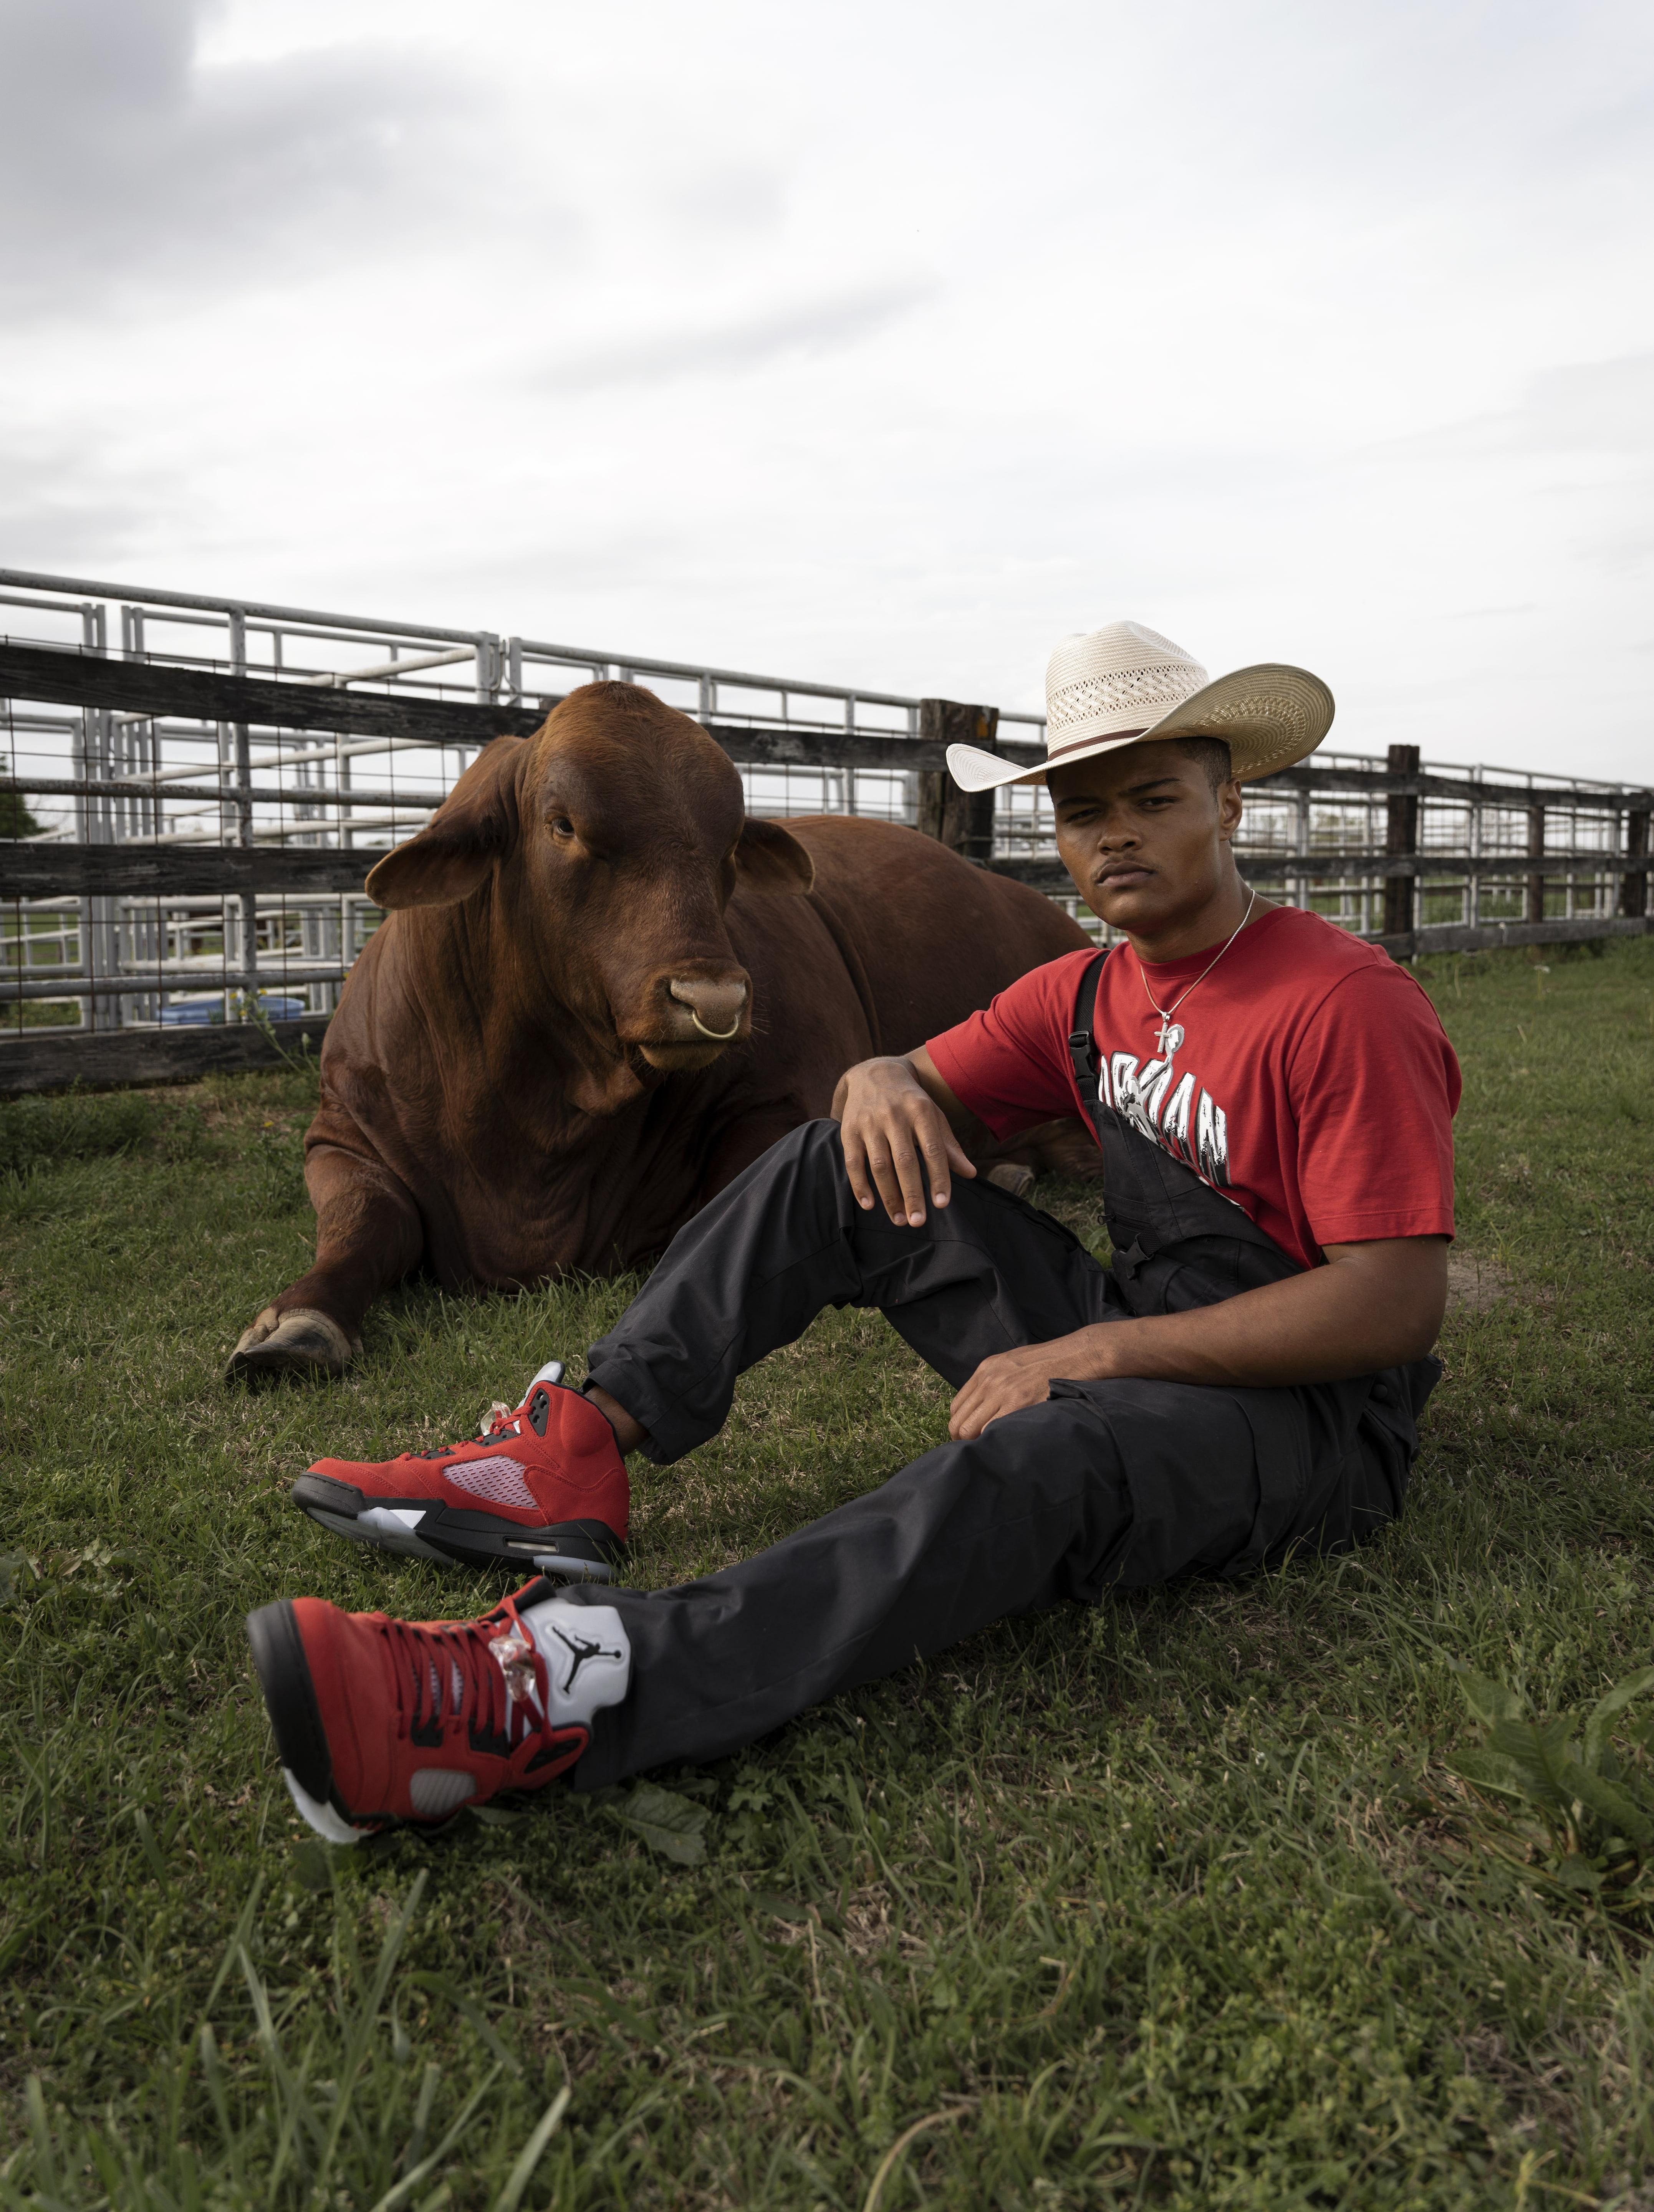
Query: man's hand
point(1008, 1381)
point(898, 1144)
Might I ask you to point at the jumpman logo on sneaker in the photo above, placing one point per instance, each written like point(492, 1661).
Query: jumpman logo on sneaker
point(583, 1649)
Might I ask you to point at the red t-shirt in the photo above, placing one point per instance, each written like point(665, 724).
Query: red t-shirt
point(1308, 1077)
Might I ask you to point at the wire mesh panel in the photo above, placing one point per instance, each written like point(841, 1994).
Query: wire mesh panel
point(179, 786)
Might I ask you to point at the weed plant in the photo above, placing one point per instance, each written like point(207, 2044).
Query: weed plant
point(1572, 1796)
point(1174, 1902)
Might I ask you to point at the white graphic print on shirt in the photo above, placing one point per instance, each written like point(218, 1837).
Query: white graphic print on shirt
point(1171, 1110)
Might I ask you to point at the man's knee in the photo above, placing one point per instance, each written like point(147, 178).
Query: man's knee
point(810, 1138)
point(815, 1149)
point(802, 1174)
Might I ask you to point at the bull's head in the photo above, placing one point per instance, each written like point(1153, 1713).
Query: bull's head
point(603, 852)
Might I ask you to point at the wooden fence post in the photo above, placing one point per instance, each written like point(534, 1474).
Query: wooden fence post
point(1401, 836)
point(961, 820)
point(1534, 904)
point(1633, 886)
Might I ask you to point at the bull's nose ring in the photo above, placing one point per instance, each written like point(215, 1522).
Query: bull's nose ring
point(718, 1036)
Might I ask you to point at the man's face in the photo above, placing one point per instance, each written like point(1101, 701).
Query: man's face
point(1143, 835)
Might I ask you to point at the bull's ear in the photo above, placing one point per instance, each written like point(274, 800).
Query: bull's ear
point(475, 826)
point(770, 859)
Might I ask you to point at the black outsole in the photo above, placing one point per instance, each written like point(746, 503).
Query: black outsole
point(291, 1697)
point(323, 1490)
point(471, 1538)
point(592, 1544)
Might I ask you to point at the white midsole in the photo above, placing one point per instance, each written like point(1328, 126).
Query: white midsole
point(332, 1827)
point(389, 1538)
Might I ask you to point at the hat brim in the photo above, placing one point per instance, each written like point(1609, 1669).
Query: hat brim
point(1269, 716)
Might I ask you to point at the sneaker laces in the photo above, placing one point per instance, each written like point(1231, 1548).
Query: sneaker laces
point(499, 1420)
point(481, 1675)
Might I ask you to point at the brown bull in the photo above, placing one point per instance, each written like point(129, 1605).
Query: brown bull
point(602, 989)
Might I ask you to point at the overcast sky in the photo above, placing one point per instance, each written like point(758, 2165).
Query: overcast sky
point(883, 344)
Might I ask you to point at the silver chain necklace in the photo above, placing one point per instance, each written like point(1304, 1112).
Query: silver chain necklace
point(1167, 1028)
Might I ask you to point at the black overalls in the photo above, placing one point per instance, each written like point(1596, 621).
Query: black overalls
point(1116, 1484)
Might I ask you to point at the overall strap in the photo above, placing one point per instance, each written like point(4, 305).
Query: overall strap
point(1154, 1203)
point(1122, 1171)
point(1080, 1048)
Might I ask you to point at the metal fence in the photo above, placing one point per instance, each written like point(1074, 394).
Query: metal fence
point(192, 791)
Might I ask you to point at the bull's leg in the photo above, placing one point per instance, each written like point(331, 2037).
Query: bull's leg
point(1066, 1148)
point(368, 1237)
point(1063, 1148)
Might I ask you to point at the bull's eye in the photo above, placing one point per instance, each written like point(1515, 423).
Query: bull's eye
point(562, 826)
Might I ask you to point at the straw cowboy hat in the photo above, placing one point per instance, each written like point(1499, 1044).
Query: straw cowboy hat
point(1123, 684)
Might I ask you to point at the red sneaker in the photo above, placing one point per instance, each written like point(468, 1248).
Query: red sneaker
point(386, 1724)
point(543, 1486)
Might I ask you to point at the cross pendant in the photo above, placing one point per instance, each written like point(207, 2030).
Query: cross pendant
point(1160, 1042)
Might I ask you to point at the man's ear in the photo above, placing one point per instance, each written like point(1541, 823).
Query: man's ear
point(475, 826)
point(770, 859)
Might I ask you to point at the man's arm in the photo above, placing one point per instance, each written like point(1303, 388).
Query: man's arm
point(902, 1127)
point(1372, 1306)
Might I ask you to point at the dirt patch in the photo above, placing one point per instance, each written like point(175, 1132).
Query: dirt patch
point(1539, 2094)
point(1474, 1283)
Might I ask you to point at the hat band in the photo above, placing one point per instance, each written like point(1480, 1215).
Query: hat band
point(1106, 738)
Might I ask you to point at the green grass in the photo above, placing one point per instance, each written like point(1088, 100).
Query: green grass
point(1164, 1903)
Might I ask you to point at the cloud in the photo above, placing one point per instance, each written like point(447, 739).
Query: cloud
point(130, 168)
point(729, 195)
point(1598, 406)
point(1603, 407)
point(1570, 464)
point(807, 331)
point(73, 504)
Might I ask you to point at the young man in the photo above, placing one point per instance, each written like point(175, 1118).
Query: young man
point(1274, 1101)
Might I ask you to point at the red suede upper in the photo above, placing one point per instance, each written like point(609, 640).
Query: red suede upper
point(574, 1472)
point(397, 1697)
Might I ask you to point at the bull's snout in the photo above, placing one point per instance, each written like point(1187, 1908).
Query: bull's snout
point(714, 1009)
point(695, 1018)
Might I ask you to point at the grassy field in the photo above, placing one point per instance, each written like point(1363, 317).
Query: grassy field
point(1171, 1903)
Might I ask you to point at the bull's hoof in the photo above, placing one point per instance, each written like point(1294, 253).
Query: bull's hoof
point(1013, 1176)
point(301, 1341)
